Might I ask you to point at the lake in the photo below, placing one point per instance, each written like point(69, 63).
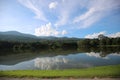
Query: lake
point(56, 59)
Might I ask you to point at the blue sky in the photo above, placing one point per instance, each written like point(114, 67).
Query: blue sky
point(71, 18)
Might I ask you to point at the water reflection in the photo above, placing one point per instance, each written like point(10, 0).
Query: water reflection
point(50, 62)
point(79, 60)
point(101, 55)
point(12, 58)
point(65, 59)
point(97, 55)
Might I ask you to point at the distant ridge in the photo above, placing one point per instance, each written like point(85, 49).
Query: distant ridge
point(17, 36)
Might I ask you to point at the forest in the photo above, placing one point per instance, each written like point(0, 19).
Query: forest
point(101, 41)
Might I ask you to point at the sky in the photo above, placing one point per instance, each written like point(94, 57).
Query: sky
point(61, 18)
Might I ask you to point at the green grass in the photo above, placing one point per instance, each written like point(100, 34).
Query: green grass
point(103, 71)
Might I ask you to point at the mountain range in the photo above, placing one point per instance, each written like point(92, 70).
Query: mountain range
point(17, 36)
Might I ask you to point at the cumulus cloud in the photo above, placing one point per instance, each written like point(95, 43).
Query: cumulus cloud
point(114, 35)
point(95, 35)
point(47, 30)
point(64, 32)
point(53, 5)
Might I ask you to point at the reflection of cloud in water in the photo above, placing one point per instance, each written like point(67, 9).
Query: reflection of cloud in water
point(50, 62)
point(70, 61)
point(115, 54)
point(97, 55)
point(61, 62)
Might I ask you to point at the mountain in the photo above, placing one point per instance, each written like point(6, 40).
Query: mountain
point(11, 33)
point(21, 37)
point(15, 33)
point(16, 36)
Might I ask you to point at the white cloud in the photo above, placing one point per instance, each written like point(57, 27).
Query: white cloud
point(53, 5)
point(84, 16)
point(88, 11)
point(62, 20)
point(114, 35)
point(33, 5)
point(65, 9)
point(47, 30)
point(97, 9)
point(64, 32)
point(95, 35)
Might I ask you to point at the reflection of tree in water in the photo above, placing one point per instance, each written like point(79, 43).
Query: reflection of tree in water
point(18, 56)
point(108, 50)
point(101, 51)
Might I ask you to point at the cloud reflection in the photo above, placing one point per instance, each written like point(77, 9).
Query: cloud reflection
point(97, 55)
point(50, 62)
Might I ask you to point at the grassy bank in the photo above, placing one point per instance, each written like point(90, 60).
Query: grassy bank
point(104, 71)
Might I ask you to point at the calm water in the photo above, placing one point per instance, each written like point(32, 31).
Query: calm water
point(62, 59)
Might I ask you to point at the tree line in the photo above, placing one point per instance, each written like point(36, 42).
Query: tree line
point(108, 42)
point(64, 44)
point(47, 44)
